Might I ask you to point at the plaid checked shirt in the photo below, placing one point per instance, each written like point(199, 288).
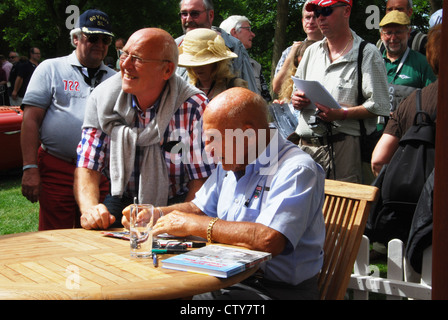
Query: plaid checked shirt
point(185, 126)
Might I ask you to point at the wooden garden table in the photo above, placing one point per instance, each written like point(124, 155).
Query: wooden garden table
point(84, 264)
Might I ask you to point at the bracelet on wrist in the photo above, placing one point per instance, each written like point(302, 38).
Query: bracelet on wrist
point(345, 114)
point(210, 228)
point(30, 166)
point(160, 212)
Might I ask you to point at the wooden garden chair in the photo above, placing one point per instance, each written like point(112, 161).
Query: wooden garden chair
point(346, 208)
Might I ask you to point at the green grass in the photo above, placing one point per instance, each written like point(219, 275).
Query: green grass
point(17, 214)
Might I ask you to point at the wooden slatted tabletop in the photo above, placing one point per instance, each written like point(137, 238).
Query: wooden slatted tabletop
point(83, 264)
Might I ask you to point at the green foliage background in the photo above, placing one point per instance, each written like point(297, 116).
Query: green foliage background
point(41, 23)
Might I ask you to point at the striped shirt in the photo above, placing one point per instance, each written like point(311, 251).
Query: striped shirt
point(185, 161)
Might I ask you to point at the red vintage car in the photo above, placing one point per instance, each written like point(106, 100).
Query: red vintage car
point(10, 124)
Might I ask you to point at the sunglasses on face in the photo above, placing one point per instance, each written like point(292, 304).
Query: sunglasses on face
point(194, 14)
point(93, 38)
point(326, 11)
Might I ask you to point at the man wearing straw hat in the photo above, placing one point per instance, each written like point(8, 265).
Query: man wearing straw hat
point(406, 69)
point(417, 39)
point(200, 14)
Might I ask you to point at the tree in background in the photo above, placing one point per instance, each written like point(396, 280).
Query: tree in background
point(42, 23)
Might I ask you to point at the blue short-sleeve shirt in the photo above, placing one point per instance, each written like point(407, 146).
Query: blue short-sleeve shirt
point(286, 194)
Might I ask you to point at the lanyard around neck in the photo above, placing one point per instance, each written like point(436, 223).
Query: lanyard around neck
point(400, 66)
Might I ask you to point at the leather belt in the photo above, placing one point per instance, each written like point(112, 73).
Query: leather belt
point(322, 141)
point(63, 158)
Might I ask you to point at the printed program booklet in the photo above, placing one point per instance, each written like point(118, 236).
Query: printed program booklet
point(216, 260)
point(316, 92)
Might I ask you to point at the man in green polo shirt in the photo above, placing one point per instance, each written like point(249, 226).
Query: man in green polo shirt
point(407, 69)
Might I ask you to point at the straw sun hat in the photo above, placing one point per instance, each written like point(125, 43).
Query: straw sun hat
point(201, 47)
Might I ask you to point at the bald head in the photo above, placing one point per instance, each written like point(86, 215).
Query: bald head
point(155, 40)
point(238, 108)
point(236, 127)
point(148, 61)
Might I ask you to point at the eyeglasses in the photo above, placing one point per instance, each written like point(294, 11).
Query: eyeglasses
point(93, 38)
point(401, 9)
point(397, 33)
point(247, 28)
point(13, 57)
point(194, 14)
point(326, 11)
point(137, 60)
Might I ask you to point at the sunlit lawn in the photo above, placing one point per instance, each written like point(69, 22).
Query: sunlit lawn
point(17, 214)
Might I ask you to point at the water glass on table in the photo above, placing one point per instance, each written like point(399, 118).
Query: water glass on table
point(142, 220)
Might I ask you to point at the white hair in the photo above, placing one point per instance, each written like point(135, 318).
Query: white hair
point(233, 22)
point(75, 33)
point(208, 4)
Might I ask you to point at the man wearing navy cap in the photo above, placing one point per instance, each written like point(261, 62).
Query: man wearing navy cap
point(54, 107)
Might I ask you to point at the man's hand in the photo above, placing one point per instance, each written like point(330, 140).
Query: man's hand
point(299, 100)
point(181, 224)
point(97, 217)
point(176, 223)
point(31, 184)
point(126, 219)
point(329, 114)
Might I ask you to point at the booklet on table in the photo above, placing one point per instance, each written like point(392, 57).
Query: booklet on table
point(216, 260)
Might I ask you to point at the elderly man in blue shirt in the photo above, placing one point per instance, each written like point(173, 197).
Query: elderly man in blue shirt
point(266, 194)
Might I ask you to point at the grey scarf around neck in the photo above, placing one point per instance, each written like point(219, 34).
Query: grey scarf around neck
point(109, 109)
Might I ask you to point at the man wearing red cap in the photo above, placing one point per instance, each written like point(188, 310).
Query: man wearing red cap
point(334, 135)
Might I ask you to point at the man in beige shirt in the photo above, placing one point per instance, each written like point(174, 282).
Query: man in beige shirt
point(333, 62)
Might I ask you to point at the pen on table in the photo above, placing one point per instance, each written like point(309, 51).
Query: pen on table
point(168, 250)
point(155, 260)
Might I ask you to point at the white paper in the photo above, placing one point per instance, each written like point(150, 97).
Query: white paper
point(316, 93)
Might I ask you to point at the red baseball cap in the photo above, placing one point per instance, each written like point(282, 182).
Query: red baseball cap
point(325, 3)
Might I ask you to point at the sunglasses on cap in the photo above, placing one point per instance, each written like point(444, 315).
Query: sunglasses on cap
point(326, 11)
point(93, 38)
point(194, 14)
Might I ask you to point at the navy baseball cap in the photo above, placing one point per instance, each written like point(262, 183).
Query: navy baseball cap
point(94, 22)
